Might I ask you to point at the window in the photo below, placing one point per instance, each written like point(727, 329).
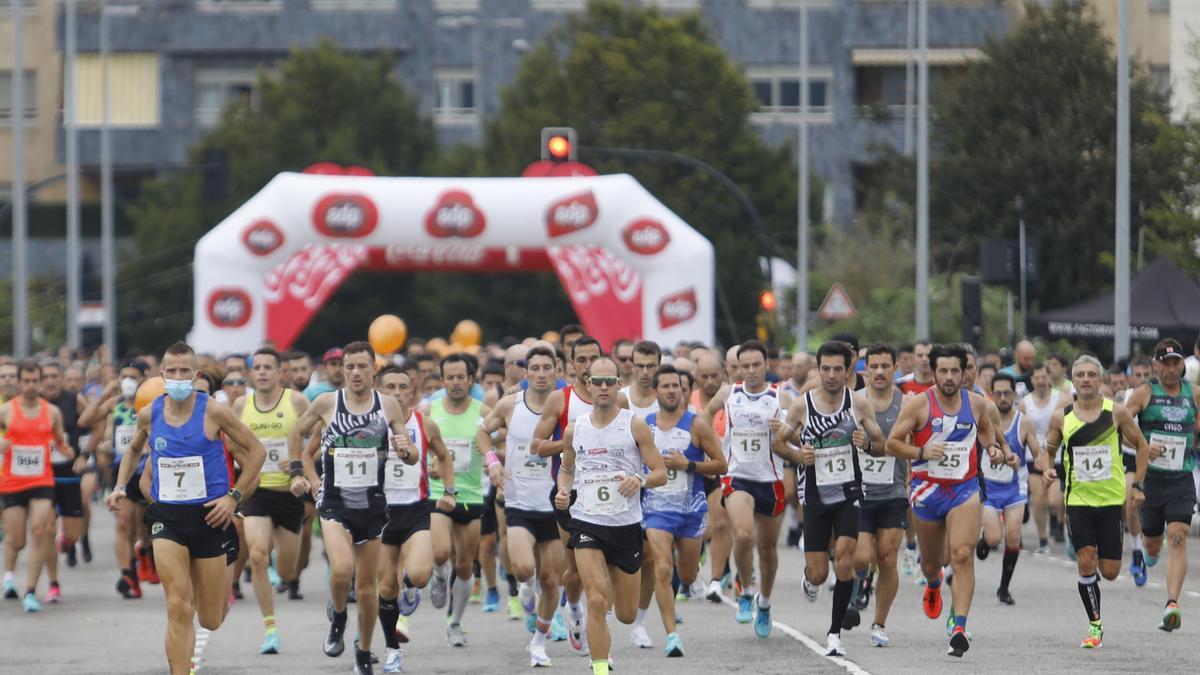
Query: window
point(1160, 5)
point(30, 6)
point(777, 89)
point(880, 85)
point(216, 90)
point(557, 5)
point(29, 91)
point(1160, 78)
point(133, 89)
point(788, 4)
point(456, 6)
point(455, 94)
point(377, 5)
point(251, 5)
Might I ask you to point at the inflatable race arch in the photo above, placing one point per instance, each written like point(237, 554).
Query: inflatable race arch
point(630, 266)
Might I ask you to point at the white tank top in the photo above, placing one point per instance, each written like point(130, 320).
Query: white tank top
point(747, 441)
point(1040, 416)
point(639, 411)
point(574, 406)
point(408, 483)
point(603, 456)
point(529, 483)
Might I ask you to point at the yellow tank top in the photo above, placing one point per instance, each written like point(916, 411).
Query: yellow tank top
point(272, 427)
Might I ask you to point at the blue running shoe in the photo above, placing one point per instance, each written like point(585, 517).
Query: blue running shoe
point(1137, 568)
point(531, 622)
point(273, 576)
point(10, 590)
point(1070, 550)
point(762, 620)
point(410, 599)
point(31, 603)
point(270, 643)
point(950, 622)
point(493, 601)
point(745, 610)
point(558, 627)
point(674, 646)
point(1151, 560)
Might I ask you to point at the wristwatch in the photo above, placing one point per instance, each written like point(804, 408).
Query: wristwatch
point(450, 491)
point(236, 494)
point(1138, 486)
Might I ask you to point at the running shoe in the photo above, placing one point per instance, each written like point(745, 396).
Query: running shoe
point(950, 621)
point(1137, 568)
point(72, 556)
point(1095, 638)
point(714, 591)
point(31, 604)
point(1151, 560)
point(456, 636)
point(492, 603)
point(293, 591)
point(393, 661)
point(410, 599)
point(86, 545)
point(745, 612)
point(1171, 618)
point(270, 643)
point(834, 646)
point(932, 601)
point(527, 596)
point(558, 627)
point(128, 587)
point(674, 646)
point(10, 590)
point(273, 575)
point(982, 549)
point(402, 628)
point(334, 642)
point(879, 638)
point(852, 618)
point(577, 637)
point(1071, 550)
point(474, 599)
point(53, 596)
point(640, 638)
point(1005, 597)
point(959, 643)
point(531, 623)
point(437, 588)
point(910, 562)
point(762, 619)
point(537, 656)
point(515, 612)
point(811, 590)
point(1043, 547)
point(864, 593)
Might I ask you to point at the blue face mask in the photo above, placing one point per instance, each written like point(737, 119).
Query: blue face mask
point(178, 389)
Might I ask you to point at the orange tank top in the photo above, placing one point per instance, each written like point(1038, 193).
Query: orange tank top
point(27, 462)
point(718, 419)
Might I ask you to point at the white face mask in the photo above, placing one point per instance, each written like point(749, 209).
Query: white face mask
point(129, 387)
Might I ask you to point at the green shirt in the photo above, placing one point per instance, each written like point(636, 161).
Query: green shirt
point(1170, 421)
point(458, 432)
point(1092, 462)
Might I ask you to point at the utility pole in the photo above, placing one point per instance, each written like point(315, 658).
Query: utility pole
point(1121, 310)
point(802, 206)
point(74, 294)
point(922, 319)
point(20, 289)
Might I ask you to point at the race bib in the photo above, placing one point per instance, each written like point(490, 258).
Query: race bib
point(28, 460)
point(123, 437)
point(181, 479)
point(997, 473)
point(1174, 450)
point(835, 465)
point(953, 465)
point(57, 456)
point(1092, 463)
point(877, 470)
point(527, 466)
point(750, 445)
point(678, 480)
point(460, 453)
point(400, 476)
point(600, 496)
point(277, 453)
point(355, 467)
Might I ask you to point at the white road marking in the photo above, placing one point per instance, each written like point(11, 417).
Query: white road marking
point(813, 646)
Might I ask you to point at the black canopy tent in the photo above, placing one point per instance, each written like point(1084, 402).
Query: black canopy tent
point(1164, 302)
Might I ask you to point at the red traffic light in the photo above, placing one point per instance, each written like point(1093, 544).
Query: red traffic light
point(767, 301)
point(558, 144)
point(559, 147)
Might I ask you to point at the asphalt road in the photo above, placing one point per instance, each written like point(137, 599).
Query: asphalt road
point(95, 631)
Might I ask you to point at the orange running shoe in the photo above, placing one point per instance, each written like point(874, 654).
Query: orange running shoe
point(932, 601)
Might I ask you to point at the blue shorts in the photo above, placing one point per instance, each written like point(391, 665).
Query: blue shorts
point(680, 525)
point(931, 501)
point(1000, 496)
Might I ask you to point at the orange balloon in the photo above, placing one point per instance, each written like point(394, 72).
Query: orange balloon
point(151, 389)
point(552, 337)
point(473, 350)
point(467, 332)
point(382, 361)
point(457, 347)
point(437, 346)
point(387, 333)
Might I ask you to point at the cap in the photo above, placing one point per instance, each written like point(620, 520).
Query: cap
point(1168, 349)
point(849, 338)
point(334, 354)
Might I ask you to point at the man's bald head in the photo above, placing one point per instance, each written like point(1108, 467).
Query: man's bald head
point(515, 352)
point(1025, 355)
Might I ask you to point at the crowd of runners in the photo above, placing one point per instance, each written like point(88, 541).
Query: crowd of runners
point(572, 487)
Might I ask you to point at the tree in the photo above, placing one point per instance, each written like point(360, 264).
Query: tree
point(1035, 119)
point(632, 77)
point(326, 105)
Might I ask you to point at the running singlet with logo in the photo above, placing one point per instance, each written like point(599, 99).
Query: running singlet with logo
point(408, 483)
point(911, 387)
point(1092, 462)
point(748, 439)
point(354, 451)
point(957, 432)
point(835, 477)
point(574, 406)
point(458, 433)
point(603, 457)
point(189, 467)
point(1170, 421)
point(684, 491)
point(27, 462)
point(885, 477)
point(1003, 474)
point(124, 419)
point(271, 427)
point(640, 412)
point(529, 484)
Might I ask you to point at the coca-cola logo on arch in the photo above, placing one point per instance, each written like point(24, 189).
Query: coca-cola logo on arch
point(262, 237)
point(645, 236)
point(455, 215)
point(571, 214)
point(676, 308)
point(229, 307)
point(345, 215)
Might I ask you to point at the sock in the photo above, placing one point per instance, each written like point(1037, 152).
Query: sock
point(841, 600)
point(1043, 541)
point(406, 582)
point(29, 590)
point(960, 621)
point(460, 593)
point(600, 667)
point(476, 570)
point(539, 635)
point(912, 545)
point(1089, 592)
point(8, 577)
point(493, 589)
point(764, 602)
point(575, 610)
point(641, 617)
point(389, 614)
point(294, 584)
point(1010, 564)
point(512, 585)
point(53, 584)
point(675, 583)
point(269, 623)
point(934, 583)
point(1137, 542)
point(362, 657)
point(339, 619)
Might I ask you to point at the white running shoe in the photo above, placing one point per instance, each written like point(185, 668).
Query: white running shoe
point(394, 661)
point(640, 638)
point(878, 637)
point(714, 591)
point(834, 646)
point(537, 656)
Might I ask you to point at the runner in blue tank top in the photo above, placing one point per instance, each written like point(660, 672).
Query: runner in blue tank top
point(193, 498)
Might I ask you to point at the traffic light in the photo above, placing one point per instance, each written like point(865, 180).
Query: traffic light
point(767, 301)
point(558, 144)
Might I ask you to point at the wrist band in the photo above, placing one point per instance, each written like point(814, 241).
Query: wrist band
point(491, 458)
point(691, 466)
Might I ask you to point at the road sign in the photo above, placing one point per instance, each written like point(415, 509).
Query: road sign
point(837, 305)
